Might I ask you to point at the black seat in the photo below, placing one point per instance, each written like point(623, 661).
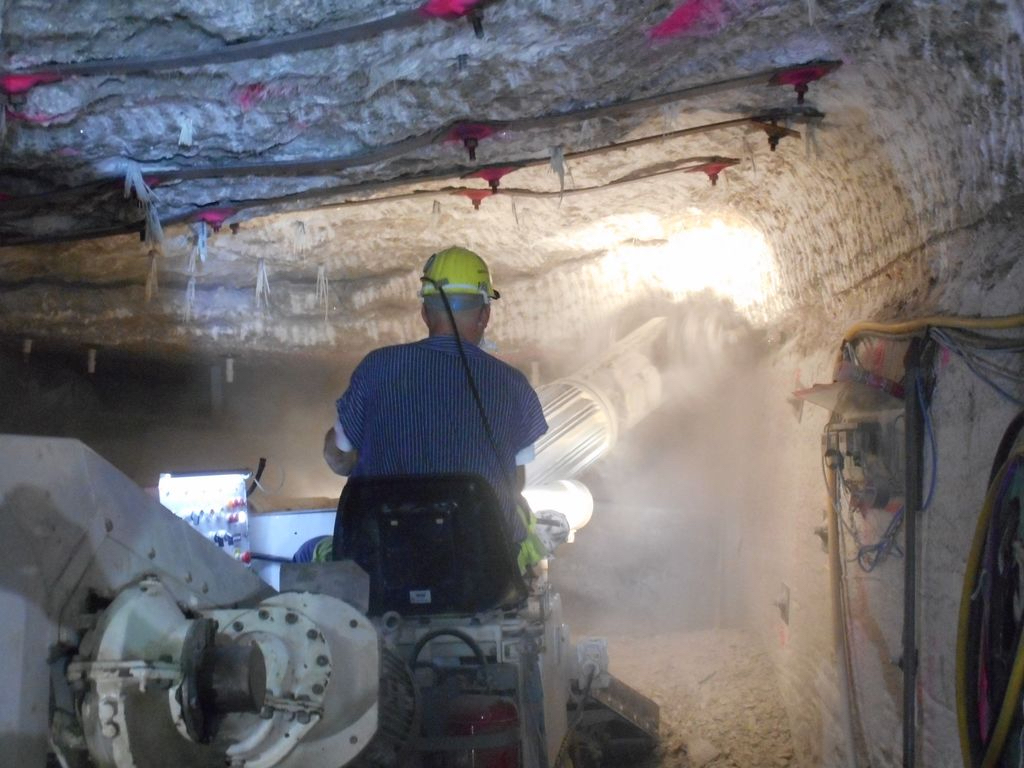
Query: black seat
point(431, 544)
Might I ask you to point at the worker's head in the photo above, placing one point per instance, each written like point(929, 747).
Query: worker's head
point(466, 283)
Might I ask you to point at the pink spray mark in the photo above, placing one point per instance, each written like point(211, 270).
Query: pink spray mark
point(15, 84)
point(470, 134)
point(40, 118)
point(713, 168)
point(215, 217)
point(475, 195)
point(693, 16)
point(463, 131)
point(448, 9)
point(800, 77)
point(251, 95)
point(878, 357)
point(492, 175)
point(945, 358)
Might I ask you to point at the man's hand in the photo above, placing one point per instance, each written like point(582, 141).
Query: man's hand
point(340, 462)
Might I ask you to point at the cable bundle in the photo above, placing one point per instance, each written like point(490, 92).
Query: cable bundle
point(978, 352)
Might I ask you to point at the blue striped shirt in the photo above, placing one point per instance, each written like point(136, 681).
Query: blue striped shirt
point(409, 410)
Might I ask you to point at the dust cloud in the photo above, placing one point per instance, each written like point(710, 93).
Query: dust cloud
point(650, 557)
point(650, 571)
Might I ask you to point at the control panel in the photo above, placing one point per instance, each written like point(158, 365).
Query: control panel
point(214, 503)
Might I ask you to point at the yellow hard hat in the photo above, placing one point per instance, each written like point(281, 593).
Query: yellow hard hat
point(458, 271)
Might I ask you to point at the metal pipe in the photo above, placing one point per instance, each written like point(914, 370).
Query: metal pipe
point(914, 433)
point(835, 571)
point(233, 678)
point(587, 411)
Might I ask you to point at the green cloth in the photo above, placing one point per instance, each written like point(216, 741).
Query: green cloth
point(531, 549)
point(324, 550)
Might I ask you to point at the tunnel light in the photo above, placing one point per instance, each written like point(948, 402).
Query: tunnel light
point(568, 497)
point(733, 261)
point(684, 255)
point(617, 229)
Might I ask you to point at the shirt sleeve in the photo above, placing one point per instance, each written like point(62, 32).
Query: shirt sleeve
point(341, 441)
point(532, 421)
point(351, 407)
point(525, 455)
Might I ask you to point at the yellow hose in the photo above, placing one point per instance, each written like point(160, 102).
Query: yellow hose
point(1016, 682)
point(942, 321)
point(971, 578)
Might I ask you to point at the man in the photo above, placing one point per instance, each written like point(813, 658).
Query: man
point(442, 404)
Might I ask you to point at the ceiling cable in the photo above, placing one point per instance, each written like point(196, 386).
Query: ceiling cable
point(298, 42)
point(335, 164)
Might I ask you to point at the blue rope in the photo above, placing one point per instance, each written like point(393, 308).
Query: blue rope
point(870, 556)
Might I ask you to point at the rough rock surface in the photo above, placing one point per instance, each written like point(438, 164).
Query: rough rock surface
point(719, 699)
point(920, 142)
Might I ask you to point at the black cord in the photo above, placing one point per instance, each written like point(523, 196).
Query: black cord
point(467, 639)
point(473, 389)
point(256, 477)
point(1010, 436)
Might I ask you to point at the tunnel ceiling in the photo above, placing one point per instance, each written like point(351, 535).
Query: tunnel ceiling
point(232, 178)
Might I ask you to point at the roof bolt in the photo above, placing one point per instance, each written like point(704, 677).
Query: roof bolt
point(322, 661)
point(238, 626)
point(312, 634)
point(291, 618)
point(302, 717)
point(476, 18)
point(318, 689)
point(263, 614)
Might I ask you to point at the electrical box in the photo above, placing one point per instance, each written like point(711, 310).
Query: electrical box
point(214, 503)
point(872, 468)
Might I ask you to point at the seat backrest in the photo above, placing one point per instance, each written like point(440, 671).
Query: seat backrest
point(431, 544)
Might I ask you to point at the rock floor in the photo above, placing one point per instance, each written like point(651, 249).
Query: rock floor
point(720, 704)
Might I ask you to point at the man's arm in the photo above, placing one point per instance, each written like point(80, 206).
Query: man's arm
point(340, 462)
